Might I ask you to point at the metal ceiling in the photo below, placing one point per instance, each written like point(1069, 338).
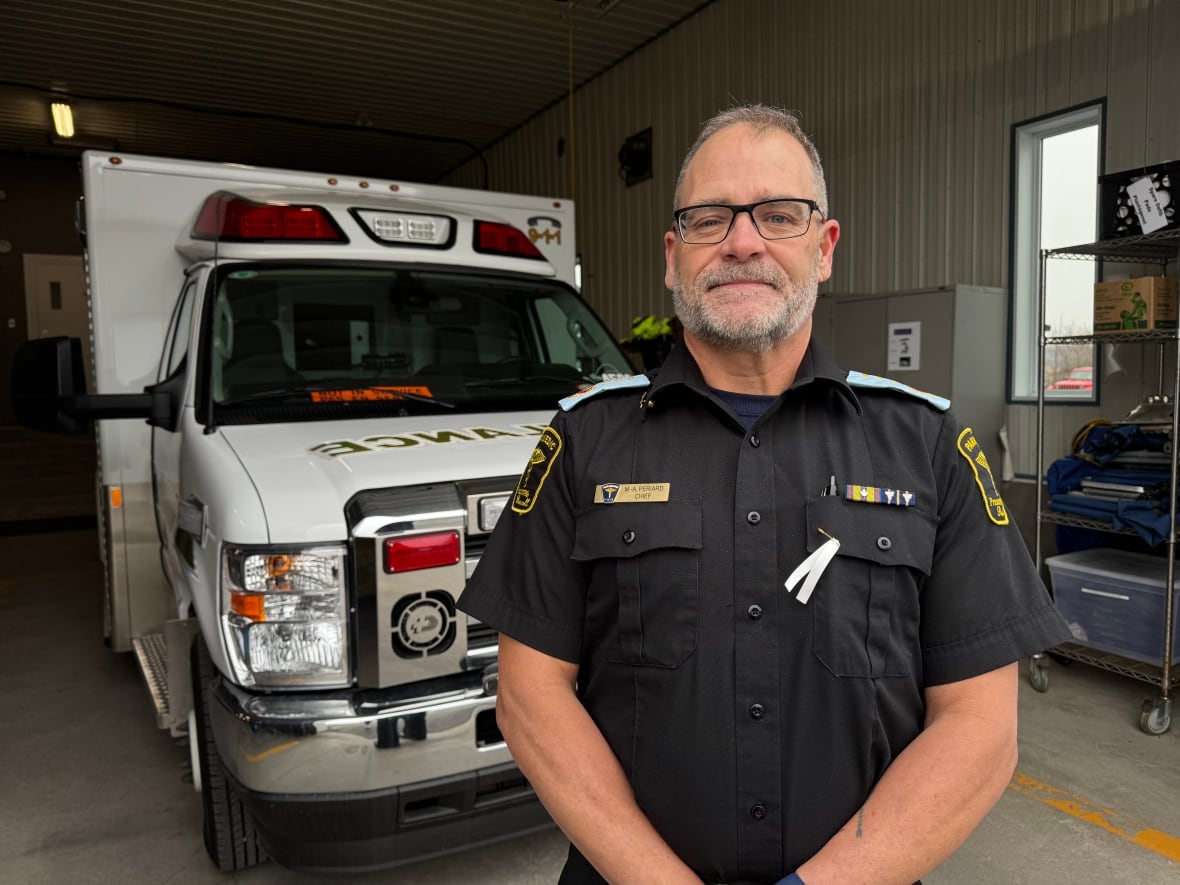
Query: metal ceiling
point(390, 88)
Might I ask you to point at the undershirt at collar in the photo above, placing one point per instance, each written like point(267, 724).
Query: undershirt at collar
point(747, 406)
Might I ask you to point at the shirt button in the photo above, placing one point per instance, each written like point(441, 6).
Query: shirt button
point(884, 543)
point(757, 711)
point(758, 812)
point(755, 442)
point(753, 517)
point(754, 612)
point(628, 537)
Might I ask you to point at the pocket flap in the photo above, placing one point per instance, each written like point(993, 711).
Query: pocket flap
point(902, 536)
point(623, 530)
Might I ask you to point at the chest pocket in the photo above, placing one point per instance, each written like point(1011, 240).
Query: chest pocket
point(649, 555)
point(866, 604)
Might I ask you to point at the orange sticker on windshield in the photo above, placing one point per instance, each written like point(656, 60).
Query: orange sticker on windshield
point(368, 394)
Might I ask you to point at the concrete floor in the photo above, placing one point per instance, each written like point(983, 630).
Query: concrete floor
point(90, 791)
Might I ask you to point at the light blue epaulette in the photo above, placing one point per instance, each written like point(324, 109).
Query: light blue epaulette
point(624, 383)
point(876, 382)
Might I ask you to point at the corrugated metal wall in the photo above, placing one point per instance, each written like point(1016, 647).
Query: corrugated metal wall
point(910, 103)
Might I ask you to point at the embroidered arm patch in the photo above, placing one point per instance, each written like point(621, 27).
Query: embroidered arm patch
point(970, 449)
point(536, 471)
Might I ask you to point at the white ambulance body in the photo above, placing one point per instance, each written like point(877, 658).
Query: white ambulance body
point(343, 380)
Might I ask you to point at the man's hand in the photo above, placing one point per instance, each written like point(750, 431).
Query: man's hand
point(565, 757)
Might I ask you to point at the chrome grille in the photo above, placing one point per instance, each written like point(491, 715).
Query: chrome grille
point(481, 639)
point(394, 610)
point(480, 635)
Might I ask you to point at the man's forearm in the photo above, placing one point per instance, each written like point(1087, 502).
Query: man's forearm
point(929, 800)
point(566, 759)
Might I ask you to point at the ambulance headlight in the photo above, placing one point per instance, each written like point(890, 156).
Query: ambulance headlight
point(285, 615)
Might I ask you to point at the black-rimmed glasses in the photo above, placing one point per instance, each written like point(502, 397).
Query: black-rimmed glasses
point(778, 219)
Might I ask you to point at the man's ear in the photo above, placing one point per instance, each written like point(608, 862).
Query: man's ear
point(669, 259)
point(829, 233)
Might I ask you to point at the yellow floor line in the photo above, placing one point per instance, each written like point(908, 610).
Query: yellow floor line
point(1091, 812)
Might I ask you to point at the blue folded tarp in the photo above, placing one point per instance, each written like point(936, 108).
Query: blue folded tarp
point(1146, 518)
point(1103, 442)
point(1067, 473)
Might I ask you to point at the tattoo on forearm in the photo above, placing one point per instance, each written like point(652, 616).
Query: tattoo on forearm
point(860, 823)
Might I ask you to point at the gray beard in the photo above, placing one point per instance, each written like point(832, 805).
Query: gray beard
point(756, 334)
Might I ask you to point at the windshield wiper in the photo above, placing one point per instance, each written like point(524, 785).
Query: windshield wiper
point(524, 379)
point(392, 394)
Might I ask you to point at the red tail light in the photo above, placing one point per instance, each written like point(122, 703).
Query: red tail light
point(504, 239)
point(226, 216)
point(422, 551)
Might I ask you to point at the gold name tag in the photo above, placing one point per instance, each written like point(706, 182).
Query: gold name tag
point(639, 492)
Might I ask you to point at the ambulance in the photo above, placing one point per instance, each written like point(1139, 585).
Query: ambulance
point(313, 398)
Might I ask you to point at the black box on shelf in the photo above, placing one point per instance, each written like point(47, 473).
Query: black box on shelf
point(1117, 216)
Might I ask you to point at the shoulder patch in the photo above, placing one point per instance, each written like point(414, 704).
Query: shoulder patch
point(536, 471)
point(630, 381)
point(876, 382)
point(970, 449)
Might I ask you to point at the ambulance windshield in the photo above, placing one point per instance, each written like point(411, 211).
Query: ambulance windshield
point(410, 338)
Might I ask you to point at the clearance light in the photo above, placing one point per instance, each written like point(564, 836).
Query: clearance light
point(421, 551)
point(249, 605)
point(226, 216)
point(504, 239)
point(407, 229)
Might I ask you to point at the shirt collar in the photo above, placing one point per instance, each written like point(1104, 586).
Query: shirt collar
point(818, 365)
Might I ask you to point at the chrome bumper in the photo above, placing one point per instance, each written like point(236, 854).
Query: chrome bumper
point(298, 743)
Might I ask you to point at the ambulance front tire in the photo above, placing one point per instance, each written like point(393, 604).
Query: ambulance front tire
point(230, 838)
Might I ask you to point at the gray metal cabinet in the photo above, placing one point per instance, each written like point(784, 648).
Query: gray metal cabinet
point(962, 345)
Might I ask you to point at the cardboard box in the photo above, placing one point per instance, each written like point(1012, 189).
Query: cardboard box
point(1144, 304)
point(1113, 600)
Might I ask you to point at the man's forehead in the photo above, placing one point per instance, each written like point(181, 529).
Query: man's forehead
point(763, 163)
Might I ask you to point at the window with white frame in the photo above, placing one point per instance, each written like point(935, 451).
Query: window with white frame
point(1056, 163)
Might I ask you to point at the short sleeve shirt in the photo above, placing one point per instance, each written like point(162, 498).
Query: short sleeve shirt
point(650, 543)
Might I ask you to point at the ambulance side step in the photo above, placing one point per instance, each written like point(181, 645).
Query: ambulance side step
point(151, 650)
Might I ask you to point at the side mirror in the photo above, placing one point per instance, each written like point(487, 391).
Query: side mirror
point(49, 392)
point(47, 375)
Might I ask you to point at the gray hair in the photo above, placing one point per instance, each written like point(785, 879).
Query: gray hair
point(761, 117)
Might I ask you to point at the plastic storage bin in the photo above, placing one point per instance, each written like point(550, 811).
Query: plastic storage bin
point(1113, 601)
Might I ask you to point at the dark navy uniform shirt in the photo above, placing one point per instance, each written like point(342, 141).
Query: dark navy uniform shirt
point(753, 726)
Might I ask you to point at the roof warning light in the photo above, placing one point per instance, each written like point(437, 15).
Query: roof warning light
point(227, 216)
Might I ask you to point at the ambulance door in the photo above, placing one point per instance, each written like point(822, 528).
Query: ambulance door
point(176, 543)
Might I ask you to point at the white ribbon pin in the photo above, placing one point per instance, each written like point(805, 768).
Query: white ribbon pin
point(813, 566)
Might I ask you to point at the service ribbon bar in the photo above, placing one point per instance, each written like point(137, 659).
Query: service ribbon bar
point(876, 495)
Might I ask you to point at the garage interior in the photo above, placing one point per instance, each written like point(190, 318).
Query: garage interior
point(913, 107)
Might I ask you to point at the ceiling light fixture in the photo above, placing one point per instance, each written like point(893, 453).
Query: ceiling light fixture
point(63, 119)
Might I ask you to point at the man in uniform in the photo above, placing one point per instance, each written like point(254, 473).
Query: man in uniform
point(759, 617)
